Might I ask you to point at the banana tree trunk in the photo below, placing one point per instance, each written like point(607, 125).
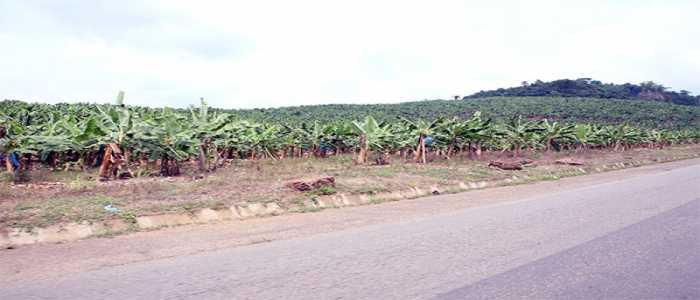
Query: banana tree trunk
point(338, 148)
point(169, 166)
point(202, 160)
point(8, 164)
point(416, 154)
point(269, 153)
point(450, 150)
point(422, 145)
point(362, 156)
point(21, 173)
point(420, 150)
point(106, 162)
point(125, 163)
point(617, 146)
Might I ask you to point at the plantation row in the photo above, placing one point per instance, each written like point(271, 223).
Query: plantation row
point(116, 138)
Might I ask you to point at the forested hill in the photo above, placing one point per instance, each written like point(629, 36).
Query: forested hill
point(586, 87)
point(568, 109)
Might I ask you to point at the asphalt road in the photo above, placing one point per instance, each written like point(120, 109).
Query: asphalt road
point(657, 258)
point(636, 238)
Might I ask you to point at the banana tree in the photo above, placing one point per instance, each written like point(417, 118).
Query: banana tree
point(423, 130)
point(371, 136)
point(620, 137)
point(168, 139)
point(337, 134)
point(475, 133)
point(14, 145)
point(313, 137)
point(518, 134)
point(586, 136)
point(21, 143)
point(205, 127)
point(553, 134)
point(10, 130)
point(265, 140)
point(453, 130)
point(116, 124)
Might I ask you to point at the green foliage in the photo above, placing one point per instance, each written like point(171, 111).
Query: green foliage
point(74, 134)
point(324, 190)
point(586, 87)
point(563, 109)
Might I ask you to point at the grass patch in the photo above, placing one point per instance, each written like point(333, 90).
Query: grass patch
point(384, 172)
point(43, 213)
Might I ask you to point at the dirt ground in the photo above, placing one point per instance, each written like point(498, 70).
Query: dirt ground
point(55, 260)
point(68, 196)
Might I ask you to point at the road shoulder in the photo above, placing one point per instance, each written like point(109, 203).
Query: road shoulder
point(52, 260)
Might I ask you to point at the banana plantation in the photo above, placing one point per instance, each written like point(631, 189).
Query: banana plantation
point(120, 141)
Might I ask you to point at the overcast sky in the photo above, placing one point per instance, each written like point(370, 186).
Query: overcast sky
point(243, 54)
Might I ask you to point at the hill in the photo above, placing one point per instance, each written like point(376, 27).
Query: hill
point(586, 87)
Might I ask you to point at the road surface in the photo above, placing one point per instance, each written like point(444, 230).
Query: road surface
point(634, 238)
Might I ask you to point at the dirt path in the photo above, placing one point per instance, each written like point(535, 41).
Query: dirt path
point(52, 260)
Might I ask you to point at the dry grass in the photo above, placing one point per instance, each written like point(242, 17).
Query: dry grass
point(55, 197)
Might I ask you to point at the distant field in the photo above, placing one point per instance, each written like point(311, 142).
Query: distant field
point(569, 109)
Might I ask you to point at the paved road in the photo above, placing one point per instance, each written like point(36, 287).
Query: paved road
point(657, 258)
point(634, 238)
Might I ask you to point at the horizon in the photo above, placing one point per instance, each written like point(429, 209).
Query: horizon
point(171, 53)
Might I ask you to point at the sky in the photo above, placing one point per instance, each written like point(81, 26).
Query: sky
point(255, 54)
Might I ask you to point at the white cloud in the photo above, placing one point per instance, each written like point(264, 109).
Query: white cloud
point(276, 53)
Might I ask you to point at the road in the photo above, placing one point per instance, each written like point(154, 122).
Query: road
point(637, 237)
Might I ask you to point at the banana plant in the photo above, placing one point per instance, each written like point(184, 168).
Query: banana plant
point(554, 134)
point(518, 134)
point(206, 127)
point(476, 133)
point(453, 131)
point(168, 139)
point(313, 137)
point(264, 139)
point(621, 136)
point(371, 136)
point(338, 134)
point(423, 130)
point(586, 136)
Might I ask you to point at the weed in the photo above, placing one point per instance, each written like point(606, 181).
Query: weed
point(25, 206)
point(81, 184)
point(324, 190)
point(128, 217)
point(386, 172)
point(188, 207)
point(365, 190)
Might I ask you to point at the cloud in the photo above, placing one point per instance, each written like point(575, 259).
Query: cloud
point(241, 54)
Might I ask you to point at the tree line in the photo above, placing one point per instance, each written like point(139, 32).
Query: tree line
point(587, 87)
